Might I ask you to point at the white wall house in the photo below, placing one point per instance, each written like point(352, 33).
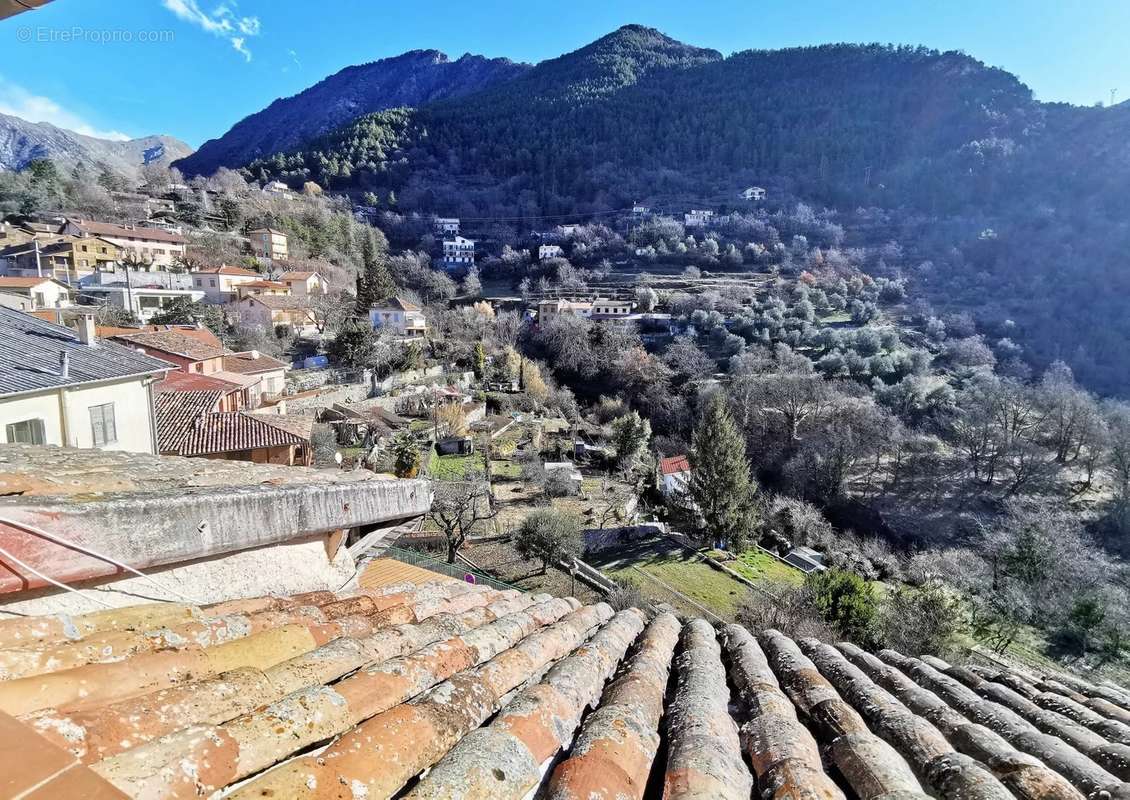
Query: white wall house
point(83, 391)
point(697, 218)
point(611, 309)
point(303, 283)
point(754, 193)
point(446, 226)
point(42, 292)
point(400, 317)
point(269, 244)
point(459, 252)
point(550, 251)
point(221, 284)
point(674, 476)
point(143, 302)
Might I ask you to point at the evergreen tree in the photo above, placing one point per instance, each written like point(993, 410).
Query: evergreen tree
point(720, 483)
point(374, 283)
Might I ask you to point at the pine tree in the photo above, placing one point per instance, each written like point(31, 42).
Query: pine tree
point(720, 482)
point(374, 283)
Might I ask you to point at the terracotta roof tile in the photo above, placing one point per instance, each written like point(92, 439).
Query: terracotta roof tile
point(486, 693)
point(674, 465)
point(175, 342)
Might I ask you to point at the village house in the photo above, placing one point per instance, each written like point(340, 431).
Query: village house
point(567, 230)
point(550, 251)
point(445, 226)
point(303, 283)
point(190, 350)
point(754, 193)
point(20, 230)
point(143, 294)
point(278, 188)
point(230, 396)
point(697, 218)
point(190, 425)
point(270, 371)
point(261, 287)
point(268, 243)
point(65, 387)
point(270, 310)
point(548, 309)
point(43, 292)
point(458, 252)
point(674, 476)
point(66, 258)
point(221, 284)
point(610, 309)
point(399, 317)
point(640, 211)
point(147, 245)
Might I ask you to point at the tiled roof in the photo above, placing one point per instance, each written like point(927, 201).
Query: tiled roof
point(434, 689)
point(226, 269)
point(200, 333)
point(279, 302)
point(262, 284)
point(248, 364)
point(12, 282)
point(127, 232)
point(193, 382)
point(234, 431)
point(297, 275)
point(397, 303)
point(31, 350)
point(175, 342)
point(674, 465)
point(178, 411)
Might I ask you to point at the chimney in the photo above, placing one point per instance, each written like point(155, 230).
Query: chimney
point(64, 365)
point(86, 330)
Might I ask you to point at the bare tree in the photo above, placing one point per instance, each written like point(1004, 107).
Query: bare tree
point(459, 509)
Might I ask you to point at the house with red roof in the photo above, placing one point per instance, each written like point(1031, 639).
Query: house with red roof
point(221, 284)
point(674, 476)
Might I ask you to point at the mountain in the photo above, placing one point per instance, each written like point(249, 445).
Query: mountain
point(411, 79)
point(1002, 206)
point(22, 141)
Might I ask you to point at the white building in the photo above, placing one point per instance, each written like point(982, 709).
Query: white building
point(149, 245)
point(459, 252)
point(400, 317)
point(303, 283)
point(674, 476)
point(42, 292)
point(696, 218)
point(640, 211)
point(279, 188)
point(549, 309)
point(550, 251)
point(221, 284)
point(144, 301)
point(754, 193)
point(446, 226)
point(69, 388)
point(611, 309)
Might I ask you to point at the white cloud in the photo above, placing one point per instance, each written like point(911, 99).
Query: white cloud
point(224, 22)
point(19, 102)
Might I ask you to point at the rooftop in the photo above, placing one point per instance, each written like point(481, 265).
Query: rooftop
point(398, 304)
point(194, 382)
point(175, 342)
point(279, 302)
point(179, 411)
point(127, 232)
point(234, 431)
point(32, 350)
point(297, 275)
point(13, 282)
point(418, 686)
point(252, 362)
point(226, 269)
point(674, 465)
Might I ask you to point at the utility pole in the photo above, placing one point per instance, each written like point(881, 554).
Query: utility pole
point(38, 264)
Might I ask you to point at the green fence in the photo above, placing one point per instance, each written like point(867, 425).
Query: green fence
point(457, 571)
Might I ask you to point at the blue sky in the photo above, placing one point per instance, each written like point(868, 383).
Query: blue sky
point(192, 68)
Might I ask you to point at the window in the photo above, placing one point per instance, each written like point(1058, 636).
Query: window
point(28, 431)
point(102, 423)
point(212, 282)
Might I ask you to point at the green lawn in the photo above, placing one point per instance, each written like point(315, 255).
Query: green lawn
point(678, 569)
point(505, 470)
point(452, 468)
point(756, 566)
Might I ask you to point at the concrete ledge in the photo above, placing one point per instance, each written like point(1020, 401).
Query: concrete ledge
point(170, 527)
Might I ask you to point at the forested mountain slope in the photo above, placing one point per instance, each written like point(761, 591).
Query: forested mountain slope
point(410, 79)
point(1005, 206)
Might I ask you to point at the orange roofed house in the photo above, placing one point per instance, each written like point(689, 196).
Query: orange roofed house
point(221, 284)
